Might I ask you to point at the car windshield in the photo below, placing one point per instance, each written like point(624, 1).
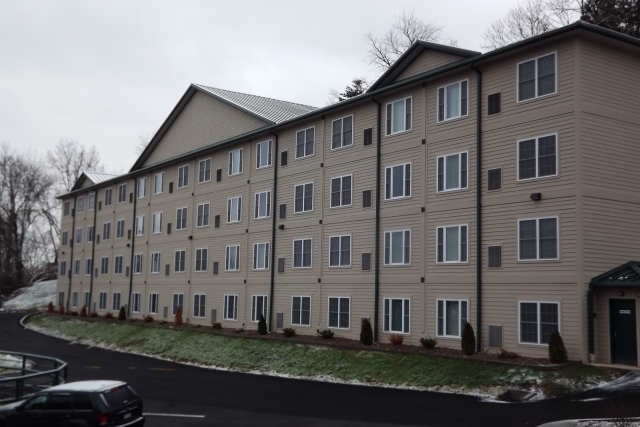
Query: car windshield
point(36, 403)
point(119, 396)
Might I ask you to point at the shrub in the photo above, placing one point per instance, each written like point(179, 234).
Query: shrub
point(50, 307)
point(238, 330)
point(61, 309)
point(148, 318)
point(216, 325)
point(93, 314)
point(366, 333)
point(289, 332)
point(557, 350)
point(122, 315)
point(468, 340)
point(429, 343)
point(262, 326)
point(505, 354)
point(326, 334)
point(83, 311)
point(109, 315)
point(177, 319)
point(396, 339)
point(72, 313)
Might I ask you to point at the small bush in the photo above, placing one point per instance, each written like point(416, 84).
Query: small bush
point(366, 333)
point(93, 315)
point(396, 339)
point(238, 330)
point(216, 325)
point(262, 326)
point(109, 315)
point(148, 318)
point(50, 307)
point(122, 315)
point(83, 311)
point(177, 319)
point(61, 309)
point(326, 334)
point(289, 332)
point(505, 354)
point(557, 350)
point(72, 313)
point(429, 343)
point(468, 340)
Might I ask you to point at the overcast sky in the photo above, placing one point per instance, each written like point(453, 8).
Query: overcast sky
point(105, 72)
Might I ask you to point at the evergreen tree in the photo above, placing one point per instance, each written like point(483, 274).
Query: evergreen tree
point(557, 350)
point(262, 326)
point(122, 315)
point(366, 333)
point(468, 340)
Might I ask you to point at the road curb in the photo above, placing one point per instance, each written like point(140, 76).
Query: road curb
point(565, 423)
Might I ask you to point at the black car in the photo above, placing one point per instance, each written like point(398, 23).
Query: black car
point(78, 404)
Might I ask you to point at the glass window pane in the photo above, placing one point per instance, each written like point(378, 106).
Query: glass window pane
point(547, 156)
point(397, 248)
point(529, 322)
point(398, 181)
point(398, 116)
point(453, 172)
point(396, 315)
point(546, 75)
point(453, 101)
point(527, 83)
point(452, 318)
point(528, 239)
point(452, 242)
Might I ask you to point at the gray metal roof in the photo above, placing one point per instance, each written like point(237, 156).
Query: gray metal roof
point(273, 110)
point(98, 177)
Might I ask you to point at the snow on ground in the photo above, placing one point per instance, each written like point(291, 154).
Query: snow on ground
point(8, 361)
point(34, 297)
point(628, 382)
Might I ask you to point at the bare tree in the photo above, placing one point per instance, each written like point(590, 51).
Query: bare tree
point(385, 50)
point(143, 141)
point(69, 159)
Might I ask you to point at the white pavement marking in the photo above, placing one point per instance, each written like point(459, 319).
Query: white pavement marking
point(173, 415)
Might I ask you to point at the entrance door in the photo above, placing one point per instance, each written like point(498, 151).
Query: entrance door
point(622, 319)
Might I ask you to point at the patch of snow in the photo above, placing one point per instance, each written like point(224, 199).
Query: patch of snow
point(34, 297)
point(605, 423)
point(9, 361)
point(593, 399)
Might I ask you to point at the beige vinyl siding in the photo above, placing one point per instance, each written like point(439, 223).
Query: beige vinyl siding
point(427, 60)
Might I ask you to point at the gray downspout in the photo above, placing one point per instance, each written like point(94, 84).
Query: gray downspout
point(133, 243)
point(73, 245)
point(274, 204)
point(93, 248)
point(376, 294)
point(592, 344)
point(478, 208)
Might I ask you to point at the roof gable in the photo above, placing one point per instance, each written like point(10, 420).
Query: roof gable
point(89, 178)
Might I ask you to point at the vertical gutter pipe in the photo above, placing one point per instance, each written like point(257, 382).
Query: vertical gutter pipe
point(478, 208)
point(273, 227)
point(376, 295)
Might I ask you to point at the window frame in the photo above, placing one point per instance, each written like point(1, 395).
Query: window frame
point(106, 230)
point(184, 214)
point(460, 115)
point(154, 302)
point(305, 143)
point(64, 238)
point(78, 237)
point(227, 257)
point(180, 303)
point(136, 302)
point(205, 180)
point(204, 259)
point(76, 267)
point(241, 161)
point(91, 202)
point(340, 265)
point(74, 299)
point(391, 263)
point(460, 242)
point(80, 205)
point(342, 190)
point(153, 223)
point(117, 229)
point(66, 208)
point(339, 312)
point(208, 215)
point(134, 268)
point(114, 306)
point(108, 191)
point(90, 234)
point(537, 139)
point(304, 195)
point(301, 311)
point(404, 315)
point(265, 307)
point(404, 179)
point(182, 263)
point(155, 183)
point(154, 262)
point(267, 202)
point(88, 262)
point(235, 307)
point(555, 54)
point(138, 218)
point(63, 267)
point(104, 265)
point(353, 125)
point(537, 302)
point(267, 255)
point(238, 211)
point(293, 253)
point(124, 193)
point(199, 305)
point(185, 176)
point(115, 264)
point(444, 316)
point(141, 184)
point(102, 300)
point(258, 155)
point(390, 131)
point(537, 259)
point(444, 172)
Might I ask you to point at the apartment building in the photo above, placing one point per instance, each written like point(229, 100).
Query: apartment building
point(462, 187)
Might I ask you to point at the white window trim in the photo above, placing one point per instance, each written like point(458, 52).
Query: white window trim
point(310, 305)
point(229, 214)
point(73, 266)
point(110, 190)
point(185, 261)
point(134, 264)
point(538, 259)
point(390, 331)
point(184, 216)
point(108, 237)
point(444, 184)
point(153, 223)
point(305, 143)
point(101, 264)
point(157, 299)
point(144, 188)
point(404, 171)
point(225, 305)
point(173, 309)
point(151, 262)
point(210, 174)
point(410, 247)
point(121, 265)
point(555, 53)
point(270, 161)
point(75, 237)
point(74, 299)
point(313, 190)
point(100, 299)
point(444, 317)
point(154, 183)
point(353, 133)
point(125, 193)
point(268, 263)
point(266, 308)
point(341, 189)
point(444, 253)
point(123, 228)
point(270, 208)
point(80, 204)
point(208, 214)
point(194, 306)
point(66, 208)
point(92, 234)
point(229, 172)
point(188, 165)
point(136, 225)
point(237, 257)
point(293, 253)
point(537, 139)
point(328, 312)
point(538, 302)
point(89, 273)
point(460, 115)
point(350, 251)
point(133, 298)
point(405, 114)
point(91, 198)
point(195, 260)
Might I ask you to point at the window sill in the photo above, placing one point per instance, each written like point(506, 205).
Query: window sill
point(529, 261)
point(398, 133)
point(549, 95)
point(537, 178)
point(342, 147)
point(454, 190)
point(441, 122)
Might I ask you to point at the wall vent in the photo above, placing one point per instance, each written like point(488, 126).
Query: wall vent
point(368, 136)
point(495, 256)
point(495, 336)
point(279, 320)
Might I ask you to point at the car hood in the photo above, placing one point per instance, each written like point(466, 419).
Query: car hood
point(11, 406)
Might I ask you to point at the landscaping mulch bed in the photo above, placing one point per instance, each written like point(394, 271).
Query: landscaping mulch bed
point(337, 342)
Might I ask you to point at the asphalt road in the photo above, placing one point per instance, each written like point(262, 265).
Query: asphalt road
point(230, 399)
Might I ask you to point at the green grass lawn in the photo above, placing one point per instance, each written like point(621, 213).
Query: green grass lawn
point(308, 361)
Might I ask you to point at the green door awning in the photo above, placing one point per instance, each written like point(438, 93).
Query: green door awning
point(627, 275)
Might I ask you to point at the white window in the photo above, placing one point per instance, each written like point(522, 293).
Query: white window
point(339, 312)
point(230, 307)
point(117, 261)
point(63, 268)
point(201, 259)
point(199, 305)
point(342, 132)
point(76, 267)
point(258, 307)
point(341, 191)
point(397, 181)
point(116, 301)
point(78, 236)
point(153, 303)
point(452, 243)
point(155, 262)
point(104, 265)
point(203, 215)
point(90, 234)
point(263, 205)
point(137, 264)
point(537, 157)
point(263, 154)
point(181, 219)
point(179, 261)
point(302, 253)
point(235, 162)
point(301, 311)
point(452, 172)
point(65, 238)
point(88, 264)
point(135, 302)
point(74, 299)
point(232, 258)
point(397, 315)
point(142, 188)
point(107, 196)
point(102, 301)
point(453, 101)
point(538, 238)
point(234, 209)
point(120, 229)
point(303, 198)
point(85, 299)
point(178, 301)
point(261, 256)
point(537, 77)
point(204, 171)
point(183, 176)
point(399, 116)
point(340, 251)
point(538, 320)
point(60, 298)
point(66, 208)
point(397, 247)
point(158, 183)
point(156, 222)
point(92, 201)
point(80, 205)
point(140, 225)
point(122, 193)
point(305, 142)
point(452, 316)
point(106, 231)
